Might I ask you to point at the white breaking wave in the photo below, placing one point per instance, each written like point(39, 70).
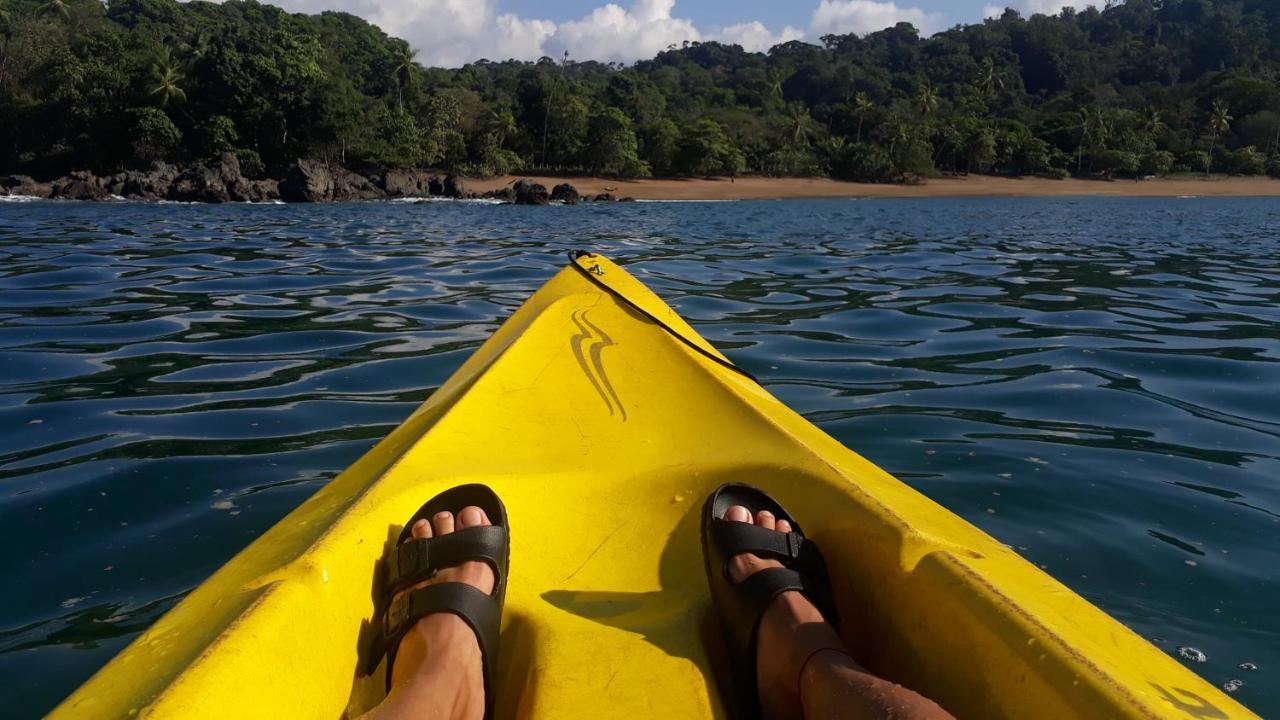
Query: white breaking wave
point(19, 198)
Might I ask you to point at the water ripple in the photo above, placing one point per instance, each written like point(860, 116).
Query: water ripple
point(1090, 380)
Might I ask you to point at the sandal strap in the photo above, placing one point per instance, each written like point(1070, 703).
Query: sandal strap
point(749, 600)
point(417, 560)
point(480, 611)
point(792, 549)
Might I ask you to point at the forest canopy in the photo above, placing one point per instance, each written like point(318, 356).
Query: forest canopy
point(1144, 87)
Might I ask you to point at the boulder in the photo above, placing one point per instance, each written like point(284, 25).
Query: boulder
point(626, 199)
point(350, 185)
point(528, 192)
point(565, 193)
point(115, 183)
point(453, 187)
point(434, 185)
point(153, 184)
point(217, 181)
point(32, 189)
point(264, 190)
point(198, 183)
point(79, 185)
point(11, 181)
point(401, 183)
point(307, 181)
point(604, 197)
point(505, 193)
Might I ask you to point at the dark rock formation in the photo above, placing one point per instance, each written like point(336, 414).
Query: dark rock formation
point(12, 181)
point(565, 193)
point(452, 187)
point(350, 185)
point(605, 197)
point(264, 190)
point(626, 199)
point(433, 186)
point(402, 183)
point(153, 184)
point(307, 181)
point(506, 194)
point(80, 185)
point(528, 192)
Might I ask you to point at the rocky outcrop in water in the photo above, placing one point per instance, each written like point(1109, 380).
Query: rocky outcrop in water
point(565, 193)
point(528, 192)
point(221, 180)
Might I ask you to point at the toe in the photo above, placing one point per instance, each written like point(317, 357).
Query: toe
point(765, 519)
point(782, 526)
point(443, 523)
point(472, 516)
point(737, 513)
point(421, 529)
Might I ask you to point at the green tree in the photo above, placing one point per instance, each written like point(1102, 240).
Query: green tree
point(405, 65)
point(165, 85)
point(155, 137)
point(926, 100)
point(660, 144)
point(798, 124)
point(612, 148)
point(502, 124)
point(705, 149)
point(861, 106)
point(1219, 124)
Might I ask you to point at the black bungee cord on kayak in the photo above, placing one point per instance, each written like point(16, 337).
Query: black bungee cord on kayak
point(574, 255)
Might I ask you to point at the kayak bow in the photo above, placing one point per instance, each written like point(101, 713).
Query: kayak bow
point(603, 420)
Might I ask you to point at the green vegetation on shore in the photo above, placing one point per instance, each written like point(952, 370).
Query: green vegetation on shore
point(1145, 87)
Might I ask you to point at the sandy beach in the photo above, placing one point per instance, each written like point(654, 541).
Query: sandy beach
point(764, 188)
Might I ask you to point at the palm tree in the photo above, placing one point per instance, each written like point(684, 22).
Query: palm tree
point(165, 80)
point(798, 123)
point(901, 134)
point(1219, 123)
point(56, 7)
point(502, 123)
point(775, 85)
point(861, 106)
point(405, 64)
point(926, 99)
point(1153, 121)
point(1095, 131)
point(989, 81)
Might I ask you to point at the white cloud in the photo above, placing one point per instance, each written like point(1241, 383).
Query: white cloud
point(613, 33)
point(1043, 7)
point(450, 33)
point(755, 37)
point(865, 16)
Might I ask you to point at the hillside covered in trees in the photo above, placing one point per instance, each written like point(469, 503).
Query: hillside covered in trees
point(1143, 87)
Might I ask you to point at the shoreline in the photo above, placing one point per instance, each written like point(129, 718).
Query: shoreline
point(766, 188)
point(308, 181)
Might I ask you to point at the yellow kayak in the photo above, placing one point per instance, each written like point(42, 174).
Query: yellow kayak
point(603, 421)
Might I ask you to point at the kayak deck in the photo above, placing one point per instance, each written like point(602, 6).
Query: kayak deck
point(603, 421)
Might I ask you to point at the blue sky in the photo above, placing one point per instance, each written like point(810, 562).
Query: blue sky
point(450, 33)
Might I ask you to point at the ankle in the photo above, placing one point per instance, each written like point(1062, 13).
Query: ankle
point(795, 627)
point(446, 641)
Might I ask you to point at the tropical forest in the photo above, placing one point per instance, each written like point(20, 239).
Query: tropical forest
point(1140, 88)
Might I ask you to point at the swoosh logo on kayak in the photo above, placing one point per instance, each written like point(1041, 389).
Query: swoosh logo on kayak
point(588, 345)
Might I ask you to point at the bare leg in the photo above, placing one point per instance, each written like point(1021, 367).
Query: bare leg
point(802, 668)
point(439, 673)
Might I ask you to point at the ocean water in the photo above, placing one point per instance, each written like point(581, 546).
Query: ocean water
point(1095, 382)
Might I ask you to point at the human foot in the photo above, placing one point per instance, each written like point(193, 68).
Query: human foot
point(438, 665)
point(791, 631)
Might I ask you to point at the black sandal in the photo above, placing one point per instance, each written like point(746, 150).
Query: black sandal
point(740, 606)
point(417, 560)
